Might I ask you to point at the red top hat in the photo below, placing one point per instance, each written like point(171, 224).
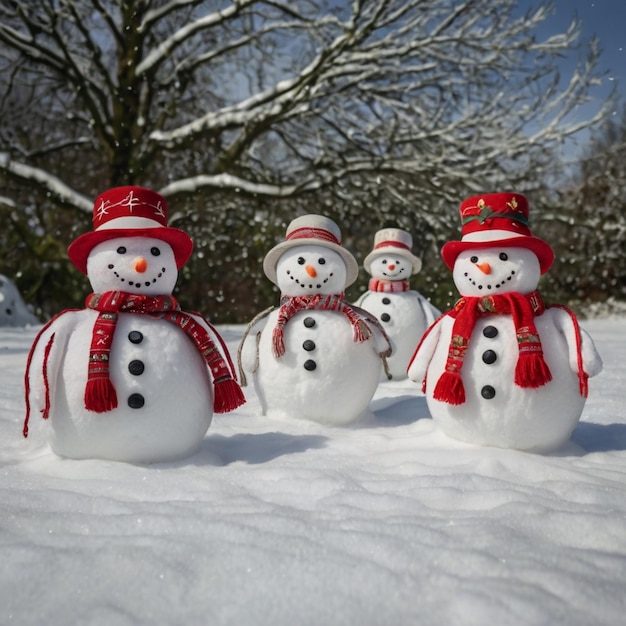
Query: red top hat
point(496, 219)
point(130, 212)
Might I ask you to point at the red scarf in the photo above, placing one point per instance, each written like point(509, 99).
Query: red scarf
point(530, 371)
point(290, 305)
point(388, 286)
point(100, 395)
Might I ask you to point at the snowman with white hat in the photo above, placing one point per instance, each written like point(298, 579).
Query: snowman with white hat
point(131, 377)
point(403, 312)
point(502, 368)
point(316, 356)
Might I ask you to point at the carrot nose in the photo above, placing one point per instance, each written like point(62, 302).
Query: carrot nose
point(392, 267)
point(140, 265)
point(310, 270)
point(485, 268)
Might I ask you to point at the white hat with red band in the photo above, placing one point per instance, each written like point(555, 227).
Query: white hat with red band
point(394, 241)
point(315, 230)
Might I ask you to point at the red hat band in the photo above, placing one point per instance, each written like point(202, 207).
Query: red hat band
point(129, 207)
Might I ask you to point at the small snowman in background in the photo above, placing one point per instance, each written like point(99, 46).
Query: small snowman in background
point(315, 357)
point(404, 313)
point(501, 368)
point(13, 310)
point(131, 377)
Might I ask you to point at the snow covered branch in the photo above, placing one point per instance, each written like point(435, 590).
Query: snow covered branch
point(45, 180)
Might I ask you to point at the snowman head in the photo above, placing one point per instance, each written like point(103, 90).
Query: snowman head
point(390, 267)
point(310, 269)
point(391, 257)
point(304, 233)
point(138, 265)
point(496, 270)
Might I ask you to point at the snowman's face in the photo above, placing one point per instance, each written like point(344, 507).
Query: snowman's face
point(487, 271)
point(310, 269)
point(142, 265)
point(389, 267)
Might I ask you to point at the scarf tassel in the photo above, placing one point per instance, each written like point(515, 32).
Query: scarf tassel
point(278, 341)
point(449, 388)
point(100, 395)
point(228, 396)
point(531, 371)
point(361, 331)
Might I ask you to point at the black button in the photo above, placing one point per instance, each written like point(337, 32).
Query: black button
point(488, 392)
point(386, 301)
point(136, 401)
point(489, 357)
point(385, 317)
point(308, 345)
point(134, 336)
point(310, 365)
point(309, 322)
point(490, 332)
point(136, 368)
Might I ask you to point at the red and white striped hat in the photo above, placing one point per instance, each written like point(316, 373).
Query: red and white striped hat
point(394, 241)
point(315, 230)
point(130, 212)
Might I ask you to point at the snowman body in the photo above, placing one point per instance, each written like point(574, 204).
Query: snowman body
point(405, 316)
point(324, 375)
point(163, 386)
point(496, 411)
point(163, 389)
point(403, 312)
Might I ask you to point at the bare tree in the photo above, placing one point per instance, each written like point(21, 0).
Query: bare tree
point(587, 221)
point(369, 105)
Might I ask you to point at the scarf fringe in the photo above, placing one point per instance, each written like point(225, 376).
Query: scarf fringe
point(361, 332)
point(228, 396)
point(278, 341)
point(449, 388)
point(100, 395)
point(532, 371)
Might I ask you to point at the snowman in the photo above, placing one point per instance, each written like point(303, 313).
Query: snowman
point(404, 313)
point(315, 357)
point(501, 368)
point(131, 377)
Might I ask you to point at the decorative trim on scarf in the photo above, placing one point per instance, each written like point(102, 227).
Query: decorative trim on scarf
point(388, 286)
point(531, 370)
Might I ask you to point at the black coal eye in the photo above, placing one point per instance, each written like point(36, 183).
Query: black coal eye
point(384, 261)
point(155, 251)
point(504, 256)
point(474, 259)
point(300, 260)
point(121, 250)
point(321, 260)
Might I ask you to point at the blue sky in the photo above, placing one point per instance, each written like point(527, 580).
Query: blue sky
point(607, 20)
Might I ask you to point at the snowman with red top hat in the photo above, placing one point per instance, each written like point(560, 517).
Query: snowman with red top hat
point(501, 368)
point(316, 356)
point(131, 377)
point(403, 312)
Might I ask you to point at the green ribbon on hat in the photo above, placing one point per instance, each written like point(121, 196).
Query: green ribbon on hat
point(486, 212)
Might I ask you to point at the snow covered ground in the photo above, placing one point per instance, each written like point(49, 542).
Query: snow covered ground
point(281, 523)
